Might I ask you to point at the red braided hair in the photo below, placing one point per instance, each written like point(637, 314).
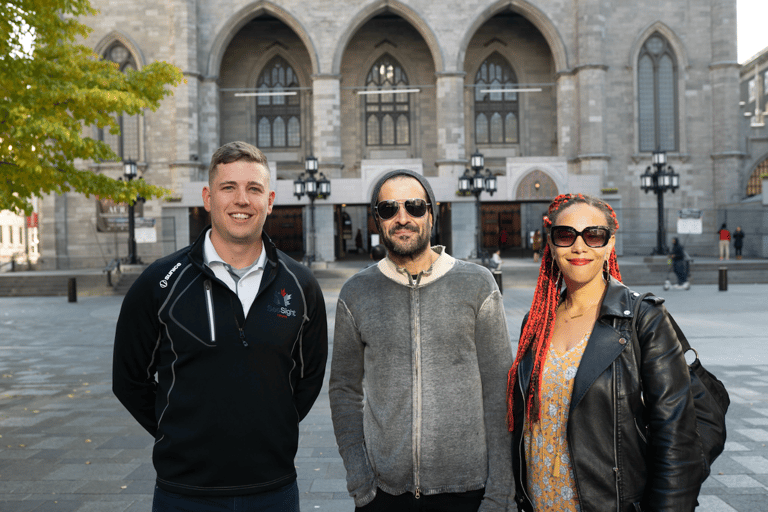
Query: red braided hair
point(537, 332)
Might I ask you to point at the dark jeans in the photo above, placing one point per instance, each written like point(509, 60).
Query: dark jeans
point(285, 499)
point(447, 502)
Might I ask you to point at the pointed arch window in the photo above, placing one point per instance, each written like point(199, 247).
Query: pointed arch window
point(387, 116)
point(496, 113)
point(278, 118)
point(657, 90)
point(126, 143)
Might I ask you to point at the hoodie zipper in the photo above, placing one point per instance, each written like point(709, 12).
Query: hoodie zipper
point(209, 307)
point(237, 322)
point(615, 435)
point(417, 398)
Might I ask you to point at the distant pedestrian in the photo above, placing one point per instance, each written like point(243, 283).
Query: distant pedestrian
point(220, 352)
point(738, 241)
point(536, 245)
point(496, 260)
point(359, 241)
point(680, 264)
point(725, 241)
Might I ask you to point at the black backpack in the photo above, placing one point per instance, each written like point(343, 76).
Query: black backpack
point(710, 398)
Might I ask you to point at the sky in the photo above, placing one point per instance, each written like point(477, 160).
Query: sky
point(752, 27)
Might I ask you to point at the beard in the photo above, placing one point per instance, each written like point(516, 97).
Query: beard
point(409, 247)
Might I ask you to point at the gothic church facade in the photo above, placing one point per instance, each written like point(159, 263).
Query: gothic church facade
point(557, 96)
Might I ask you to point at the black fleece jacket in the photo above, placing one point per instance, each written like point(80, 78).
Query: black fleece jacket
point(223, 404)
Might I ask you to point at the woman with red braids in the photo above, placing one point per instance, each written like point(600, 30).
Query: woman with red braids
point(584, 438)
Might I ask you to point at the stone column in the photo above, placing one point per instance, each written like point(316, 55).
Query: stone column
point(326, 123)
point(464, 228)
point(451, 144)
point(209, 126)
point(590, 76)
point(324, 231)
point(567, 117)
point(184, 167)
point(724, 76)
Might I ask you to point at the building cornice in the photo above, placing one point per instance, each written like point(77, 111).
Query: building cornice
point(724, 64)
point(728, 154)
point(592, 156)
point(584, 67)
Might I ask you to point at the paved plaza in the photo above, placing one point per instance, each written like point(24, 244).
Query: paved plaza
point(66, 444)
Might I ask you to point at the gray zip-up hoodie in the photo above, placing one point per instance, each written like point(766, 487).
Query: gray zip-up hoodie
point(418, 382)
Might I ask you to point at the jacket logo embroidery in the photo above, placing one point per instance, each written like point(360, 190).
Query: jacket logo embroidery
point(164, 281)
point(282, 300)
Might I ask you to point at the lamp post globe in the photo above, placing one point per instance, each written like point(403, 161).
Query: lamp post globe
point(475, 182)
point(130, 170)
point(307, 184)
point(659, 180)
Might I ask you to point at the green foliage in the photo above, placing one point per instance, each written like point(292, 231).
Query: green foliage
point(48, 93)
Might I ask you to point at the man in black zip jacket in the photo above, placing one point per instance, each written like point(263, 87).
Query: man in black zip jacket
point(220, 351)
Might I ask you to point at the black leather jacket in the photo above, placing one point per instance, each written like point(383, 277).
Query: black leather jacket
point(628, 452)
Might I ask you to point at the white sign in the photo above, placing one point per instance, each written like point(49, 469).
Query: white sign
point(146, 235)
point(689, 222)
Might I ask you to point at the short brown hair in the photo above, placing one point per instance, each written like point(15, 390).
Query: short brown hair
point(233, 152)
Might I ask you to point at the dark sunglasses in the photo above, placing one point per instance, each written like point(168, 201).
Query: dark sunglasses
point(388, 209)
point(593, 236)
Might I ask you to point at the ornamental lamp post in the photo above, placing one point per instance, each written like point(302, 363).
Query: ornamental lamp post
point(662, 178)
point(481, 181)
point(314, 189)
point(130, 172)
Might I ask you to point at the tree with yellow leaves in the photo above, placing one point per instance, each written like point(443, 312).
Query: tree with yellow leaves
point(50, 89)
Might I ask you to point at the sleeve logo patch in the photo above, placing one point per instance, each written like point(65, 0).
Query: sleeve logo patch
point(164, 281)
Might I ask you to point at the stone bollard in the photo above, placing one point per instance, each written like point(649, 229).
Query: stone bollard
point(722, 280)
point(72, 289)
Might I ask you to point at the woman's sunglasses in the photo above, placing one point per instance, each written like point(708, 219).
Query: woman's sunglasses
point(593, 236)
point(388, 209)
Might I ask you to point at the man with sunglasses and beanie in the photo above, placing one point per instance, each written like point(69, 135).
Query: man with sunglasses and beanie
point(419, 369)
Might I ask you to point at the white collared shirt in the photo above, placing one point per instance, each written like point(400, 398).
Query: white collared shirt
point(248, 286)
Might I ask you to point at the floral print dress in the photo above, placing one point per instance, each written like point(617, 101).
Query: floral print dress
point(550, 475)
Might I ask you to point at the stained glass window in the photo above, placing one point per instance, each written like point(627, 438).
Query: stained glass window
point(657, 95)
point(126, 143)
point(496, 112)
point(382, 127)
point(278, 116)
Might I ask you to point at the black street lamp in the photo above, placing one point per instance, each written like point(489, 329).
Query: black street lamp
point(481, 181)
point(130, 172)
point(662, 179)
point(314, 189)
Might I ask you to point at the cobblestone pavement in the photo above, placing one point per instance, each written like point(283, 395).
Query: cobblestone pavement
point(66, 444)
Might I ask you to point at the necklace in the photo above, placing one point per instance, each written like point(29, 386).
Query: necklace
point(567, 310)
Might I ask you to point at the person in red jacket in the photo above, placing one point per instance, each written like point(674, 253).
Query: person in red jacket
point(725, 242)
